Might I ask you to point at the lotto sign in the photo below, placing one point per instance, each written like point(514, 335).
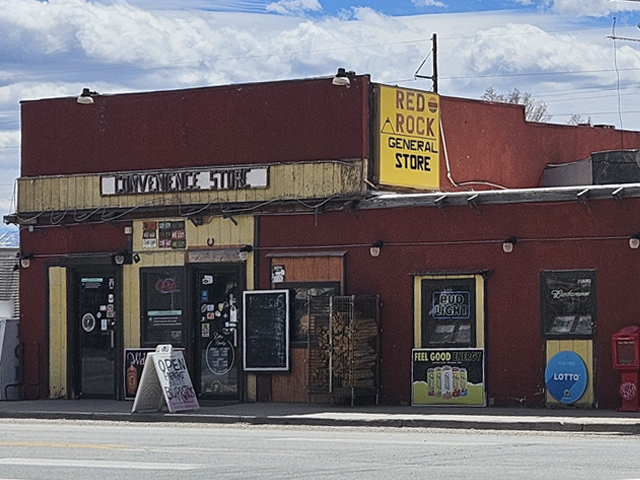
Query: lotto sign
point(408, 138)
point(566, 377)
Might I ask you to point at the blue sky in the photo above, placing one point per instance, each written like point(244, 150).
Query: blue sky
point(557, 50)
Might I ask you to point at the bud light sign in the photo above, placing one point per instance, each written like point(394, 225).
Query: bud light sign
point(450, 305)
point(566, 377)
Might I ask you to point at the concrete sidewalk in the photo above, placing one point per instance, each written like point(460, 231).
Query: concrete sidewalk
point(563, 419)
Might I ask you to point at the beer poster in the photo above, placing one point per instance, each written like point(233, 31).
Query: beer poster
point(448, 376)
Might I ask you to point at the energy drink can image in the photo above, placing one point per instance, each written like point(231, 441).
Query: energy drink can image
point(447, 382)
point(430, 382)
point(437, 381)
point(456, 381)
point(463, 382)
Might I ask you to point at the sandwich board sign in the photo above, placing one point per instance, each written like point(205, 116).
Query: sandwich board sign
point(165, 380)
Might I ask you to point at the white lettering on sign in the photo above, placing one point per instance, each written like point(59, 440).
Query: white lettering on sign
point(451, 305)
point(556, 294)
point(566, 376)
point(184, 181)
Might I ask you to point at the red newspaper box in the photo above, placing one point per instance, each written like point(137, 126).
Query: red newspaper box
point(626, 358)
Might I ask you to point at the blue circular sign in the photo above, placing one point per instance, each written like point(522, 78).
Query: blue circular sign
point(566, 377)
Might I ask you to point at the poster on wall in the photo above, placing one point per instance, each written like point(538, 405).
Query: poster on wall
point(134, 359)
point(568, 303)
point(448, 376)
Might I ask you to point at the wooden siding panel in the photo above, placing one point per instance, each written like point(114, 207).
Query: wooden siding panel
point(55, 187)
point(131, 305)
point(71, 197)
point(277, 183)
point(292, 387)
point(311, 269)
point(289, 181)
point(301, 180)
point(57, 332)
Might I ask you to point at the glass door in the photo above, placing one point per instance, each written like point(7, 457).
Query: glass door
point(218, 301)
point(95, 327)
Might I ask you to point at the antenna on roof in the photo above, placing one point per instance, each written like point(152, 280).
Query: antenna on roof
point(434, 77)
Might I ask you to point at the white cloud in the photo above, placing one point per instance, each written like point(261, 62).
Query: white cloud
point(593, 8)
point(9, 139)
point(522, 48)
point(585, 8)
point(51, 49)
point(294, 7)
point(427, 3)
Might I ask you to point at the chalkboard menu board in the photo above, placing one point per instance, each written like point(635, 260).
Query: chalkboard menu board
point(266, 330)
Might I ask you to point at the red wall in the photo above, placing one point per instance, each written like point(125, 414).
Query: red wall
point(50, 246)
point(230, 125)
point(515, 349)
point(491, 142)
point(300, 120)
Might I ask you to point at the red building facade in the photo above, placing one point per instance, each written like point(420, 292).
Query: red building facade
point(312, 224)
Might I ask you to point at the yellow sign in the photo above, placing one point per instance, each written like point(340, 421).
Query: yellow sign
point(408, 138)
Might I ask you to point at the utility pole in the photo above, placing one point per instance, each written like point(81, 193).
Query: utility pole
point(434, 77)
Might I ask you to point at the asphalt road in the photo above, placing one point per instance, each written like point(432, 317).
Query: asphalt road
point(52, 450)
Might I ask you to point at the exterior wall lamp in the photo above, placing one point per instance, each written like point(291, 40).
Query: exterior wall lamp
point(374, 250)
point(244, 252)
point(121, 258)
point(342, 78)
point(25, 260)
point(86, 97)
point(634, 241)
point(507, 245)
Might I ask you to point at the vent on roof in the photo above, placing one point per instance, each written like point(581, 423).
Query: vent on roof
point(601, 168)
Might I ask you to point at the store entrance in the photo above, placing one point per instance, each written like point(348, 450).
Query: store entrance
point(218, 303)
point(94, 325)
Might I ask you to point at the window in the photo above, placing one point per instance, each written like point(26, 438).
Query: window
point(568, 303)
point(448, 312)
point(162, 306)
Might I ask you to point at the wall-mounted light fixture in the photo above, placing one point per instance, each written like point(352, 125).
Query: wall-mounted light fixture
point(244, 252)
point(507, 245)
point(121, 258)
point(342, 78)
point(23, 260)
point(136, 258)
point(375, 247)
point(634, 241)
point(86, 97)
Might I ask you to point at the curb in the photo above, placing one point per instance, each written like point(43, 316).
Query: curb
point(539, 425)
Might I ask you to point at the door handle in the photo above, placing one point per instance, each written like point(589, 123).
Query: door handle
point(112, 339)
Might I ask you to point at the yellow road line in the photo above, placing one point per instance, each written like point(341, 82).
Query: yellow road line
point(62, 445)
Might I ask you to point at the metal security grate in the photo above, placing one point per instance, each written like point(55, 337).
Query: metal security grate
point(344, 347)
point(319, 347)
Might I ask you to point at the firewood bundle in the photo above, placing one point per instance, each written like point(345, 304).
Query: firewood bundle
point(351, 345)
